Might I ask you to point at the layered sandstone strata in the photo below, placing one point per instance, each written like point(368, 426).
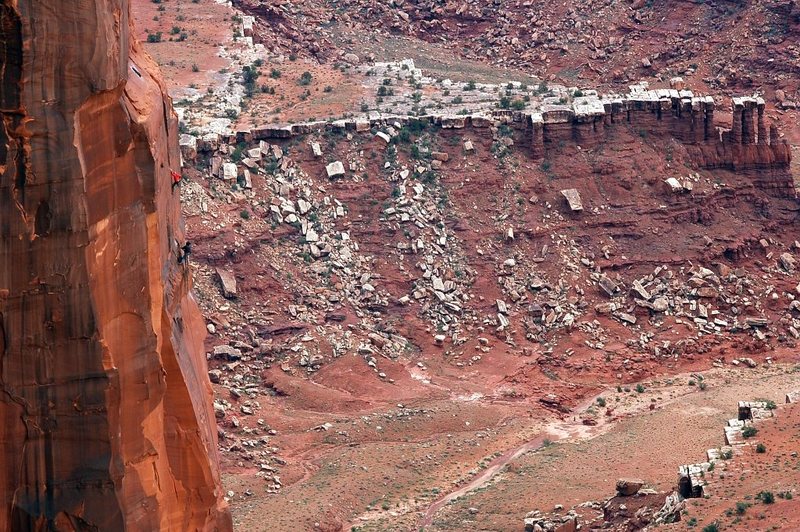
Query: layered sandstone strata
point(105, 411)
point(749, 147)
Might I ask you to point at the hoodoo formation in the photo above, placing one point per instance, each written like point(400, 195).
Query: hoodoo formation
point(106, 420)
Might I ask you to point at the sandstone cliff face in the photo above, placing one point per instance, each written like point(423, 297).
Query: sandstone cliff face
point(105, 411)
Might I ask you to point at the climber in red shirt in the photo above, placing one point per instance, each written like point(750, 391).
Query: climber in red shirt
point(176, 179)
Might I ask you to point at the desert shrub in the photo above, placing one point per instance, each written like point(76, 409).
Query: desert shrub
point(767, 497)
point(306, 78)
point(749, 431)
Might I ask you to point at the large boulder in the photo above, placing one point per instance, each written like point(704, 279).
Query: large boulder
point(629, 486)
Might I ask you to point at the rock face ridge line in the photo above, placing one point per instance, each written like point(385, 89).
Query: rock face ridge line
point(105, 419)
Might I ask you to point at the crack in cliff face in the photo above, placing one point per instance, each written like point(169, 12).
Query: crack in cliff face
point(10, 89)
point(93, 436)
point(12, 144)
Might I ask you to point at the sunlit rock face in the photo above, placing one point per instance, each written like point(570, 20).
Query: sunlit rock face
point(105, 412)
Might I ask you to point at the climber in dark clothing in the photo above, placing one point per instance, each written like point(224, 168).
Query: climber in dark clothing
point(184, 252)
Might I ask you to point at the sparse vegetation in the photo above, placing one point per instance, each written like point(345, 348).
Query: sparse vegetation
point(305, 78)
point(749, 431)
point(250, 76)
point(767, 497)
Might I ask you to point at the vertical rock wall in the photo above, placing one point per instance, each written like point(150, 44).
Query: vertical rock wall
point(105, 405)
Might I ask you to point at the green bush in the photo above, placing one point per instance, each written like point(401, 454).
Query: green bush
point(761, 448)
point(749, 431)
point(766, 497)
point(305, 78)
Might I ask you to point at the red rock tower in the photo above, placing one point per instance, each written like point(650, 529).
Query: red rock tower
point(106, 420)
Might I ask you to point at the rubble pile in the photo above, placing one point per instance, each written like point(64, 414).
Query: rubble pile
point(536, 521)
point(265, 180)
point(632, 508)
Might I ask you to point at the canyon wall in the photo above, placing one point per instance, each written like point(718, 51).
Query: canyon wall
point(749, 147)
point(106, 420)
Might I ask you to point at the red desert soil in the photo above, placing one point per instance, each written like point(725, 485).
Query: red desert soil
point(395, 437)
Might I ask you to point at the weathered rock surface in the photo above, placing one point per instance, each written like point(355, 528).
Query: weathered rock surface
point(629, 486)
point(106, 419)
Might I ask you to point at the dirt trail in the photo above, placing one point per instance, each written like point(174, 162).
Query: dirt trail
point(555, 431)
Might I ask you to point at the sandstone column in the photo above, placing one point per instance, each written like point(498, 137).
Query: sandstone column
point(537, 147)
point(762, 129)
point(748, 132)
point(698, 121)
point(736, 126)
point(710, 130)
point(105, 412)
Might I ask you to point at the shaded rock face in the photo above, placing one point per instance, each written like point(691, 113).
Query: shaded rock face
point(106, 420)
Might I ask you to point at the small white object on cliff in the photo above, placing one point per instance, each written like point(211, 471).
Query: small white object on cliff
point(573, 199)
point(335, 169)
